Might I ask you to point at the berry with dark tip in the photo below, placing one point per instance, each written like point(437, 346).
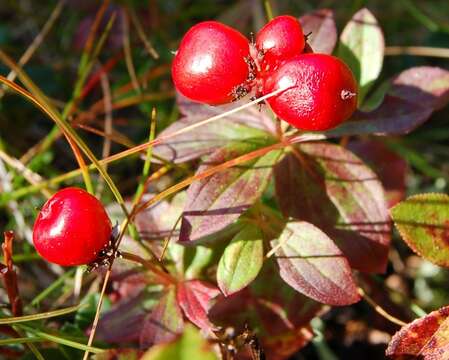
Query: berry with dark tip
point(212, 62)
point(72, 228)
point(321, 91)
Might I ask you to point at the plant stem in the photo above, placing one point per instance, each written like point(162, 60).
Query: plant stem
point(379, 309)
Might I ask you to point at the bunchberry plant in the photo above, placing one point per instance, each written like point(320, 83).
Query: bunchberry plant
point(265, 194)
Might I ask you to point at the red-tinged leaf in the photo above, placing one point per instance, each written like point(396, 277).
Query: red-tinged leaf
point(312, 264)
point(217, 201)
point(119, 354)
point(413, 96)
point(321, 26)
point(194, 298)
point(278, 314)
point(425, 338)
point(123, 323)
point(425, 85)
point(394, 117)
point(362, 47)
point(389, 167)
point(239, 127)
point(336, 191)
point(164, 323)
point(190, 346)
point(241, 261)
point(156, 223)
point(423, 222)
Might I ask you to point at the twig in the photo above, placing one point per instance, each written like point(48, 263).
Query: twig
point(417, 51)
point(97, 313)
point(107, 125)
point(128, 55)
point(148, 46)
point(163, 276)
point(379, 309)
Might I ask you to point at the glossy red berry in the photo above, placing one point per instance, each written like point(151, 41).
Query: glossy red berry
point(321, 91)
point(279, 40)
point(212, 64)
point(71, 228)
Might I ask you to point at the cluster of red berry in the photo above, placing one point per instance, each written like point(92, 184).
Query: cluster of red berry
point(216, 64)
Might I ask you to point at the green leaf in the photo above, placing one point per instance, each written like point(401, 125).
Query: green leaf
point(423, 222)
point(241, 260)
point(362, 48)
point(196, 260)
point(188, 347)
point(243, 126)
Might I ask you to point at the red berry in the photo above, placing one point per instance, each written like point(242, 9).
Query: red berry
point(279, 40)
point(71, 228)
point(321, 91)
point(212, 64)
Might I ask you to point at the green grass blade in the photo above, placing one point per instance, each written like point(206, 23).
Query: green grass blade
point(40, 316)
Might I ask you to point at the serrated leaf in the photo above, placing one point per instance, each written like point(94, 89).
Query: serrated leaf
point(389, 167)
point(412, 97)
point(312, 264)
point(337, 192)
point(189, 346)
point(239, 127)
point(241, 260)
point(194, 298)
point(423, 222)
point(164, 323)
point(217, 201)
point(362, 47)
point(320, 24)
point(426, 338)
point(277, 314)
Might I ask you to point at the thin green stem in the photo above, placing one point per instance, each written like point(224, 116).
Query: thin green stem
point(145, 172)
point(268, 9)
point(147, 164)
